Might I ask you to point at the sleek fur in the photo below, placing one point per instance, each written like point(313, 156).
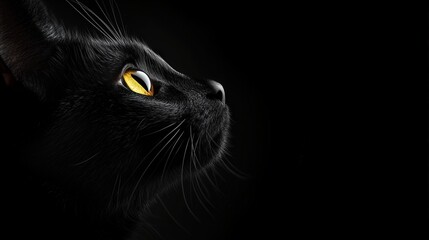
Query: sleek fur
point(83, 150)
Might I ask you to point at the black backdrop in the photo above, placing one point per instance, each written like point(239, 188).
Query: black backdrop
point(290, 72)
point(230, 43)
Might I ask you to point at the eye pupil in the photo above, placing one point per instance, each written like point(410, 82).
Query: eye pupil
point(138, 82)
point(141, 81)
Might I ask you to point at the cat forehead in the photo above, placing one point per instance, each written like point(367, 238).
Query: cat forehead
point(133, 47)
point(91, 43)
point(126, 48)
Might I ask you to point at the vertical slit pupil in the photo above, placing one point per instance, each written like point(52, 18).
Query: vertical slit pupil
point(139, 80)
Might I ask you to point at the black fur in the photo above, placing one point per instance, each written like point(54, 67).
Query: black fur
point(81, 151)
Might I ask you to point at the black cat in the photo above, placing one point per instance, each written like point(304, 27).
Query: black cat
point(95, 127)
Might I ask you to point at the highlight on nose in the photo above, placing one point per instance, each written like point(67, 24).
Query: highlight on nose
point(217, 91)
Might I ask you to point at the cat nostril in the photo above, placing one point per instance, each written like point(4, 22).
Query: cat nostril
point(217, 91)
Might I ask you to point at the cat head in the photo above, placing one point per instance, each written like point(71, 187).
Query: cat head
point(103, 115)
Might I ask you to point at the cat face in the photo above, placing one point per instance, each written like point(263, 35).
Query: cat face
point(114, 118)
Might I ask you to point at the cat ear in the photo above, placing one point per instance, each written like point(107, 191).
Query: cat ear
point(27, 35)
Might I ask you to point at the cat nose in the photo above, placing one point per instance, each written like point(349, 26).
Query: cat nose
point(217, 91)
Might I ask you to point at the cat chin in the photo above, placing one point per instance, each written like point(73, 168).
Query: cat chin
point(159, 185)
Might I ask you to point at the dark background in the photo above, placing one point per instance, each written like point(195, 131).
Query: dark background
point(301, 81)
point(230, 43)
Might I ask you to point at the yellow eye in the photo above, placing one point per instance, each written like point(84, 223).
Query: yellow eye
point(137, 81)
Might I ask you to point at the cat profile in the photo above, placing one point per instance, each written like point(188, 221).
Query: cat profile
point(96, 126)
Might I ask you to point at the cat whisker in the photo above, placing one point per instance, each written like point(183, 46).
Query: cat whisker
point(86, 160)
point(197, 179)
point(156, 147)
point(120, 17)
point(118, 35)
point(113, 190)
point(194, 158)
point(88, 11)
point(169, 155)
point(182, 180)
point(159, 130)
point(165, 145)
point(153, 159)
point(93, 22)
point(212, 141)
point(114, 17)
point(118, 191)
point(141, 121)
point(203, 170)
point(202, 188)
point(214, 169)
point(199, 191)
point(191, 160)
point(231, 168)
point(191, 157)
